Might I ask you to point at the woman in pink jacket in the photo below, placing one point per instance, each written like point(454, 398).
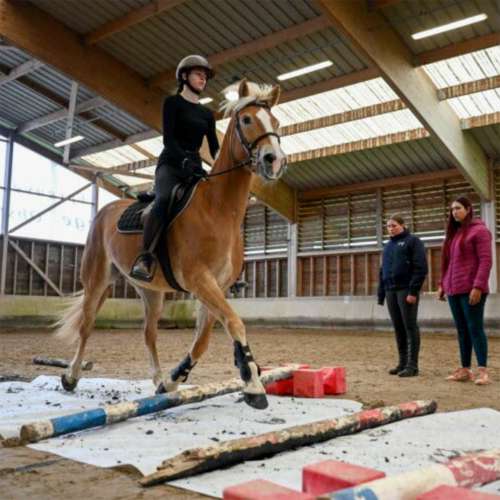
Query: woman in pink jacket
point(465, 269)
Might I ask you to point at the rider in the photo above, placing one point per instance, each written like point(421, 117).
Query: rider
point(185, 123)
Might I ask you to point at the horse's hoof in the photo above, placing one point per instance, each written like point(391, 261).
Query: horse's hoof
point(161, 389)
point(68, 383)
point(257, 401)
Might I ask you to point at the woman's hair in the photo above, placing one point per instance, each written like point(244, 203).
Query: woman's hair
point(452, 226)
point(397, 218)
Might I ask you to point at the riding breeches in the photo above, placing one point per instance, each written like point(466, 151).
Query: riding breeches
point(166, 177)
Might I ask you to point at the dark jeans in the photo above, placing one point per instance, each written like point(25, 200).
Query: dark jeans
point(404, 320)
point(469, 322)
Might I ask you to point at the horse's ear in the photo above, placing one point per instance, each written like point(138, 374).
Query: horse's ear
point(243, 90)
point(274, 96)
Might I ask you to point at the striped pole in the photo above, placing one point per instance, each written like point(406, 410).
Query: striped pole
point(464, 471)
point(110, 414)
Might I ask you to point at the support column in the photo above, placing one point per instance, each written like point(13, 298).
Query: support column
point(9, 154)
point(95, 197)
point(488, 214)
point(292, 260)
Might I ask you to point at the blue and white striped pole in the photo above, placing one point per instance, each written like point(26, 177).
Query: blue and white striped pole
point(110, 414)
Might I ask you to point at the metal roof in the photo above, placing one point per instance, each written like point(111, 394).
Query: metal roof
point(156, 45)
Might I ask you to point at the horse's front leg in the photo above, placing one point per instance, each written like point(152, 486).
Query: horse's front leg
point(209, 293)
point(204, 323)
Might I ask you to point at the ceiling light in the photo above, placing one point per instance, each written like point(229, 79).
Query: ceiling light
point(450, 26)
point(76, 138)
point(232, 95)
point(306, 69)
point(206, 100)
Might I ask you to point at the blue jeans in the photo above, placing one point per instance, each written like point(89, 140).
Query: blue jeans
point(469, 322)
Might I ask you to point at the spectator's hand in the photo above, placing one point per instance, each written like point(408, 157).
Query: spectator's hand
point(440, 294)
point(474, 296)
point(411, 299)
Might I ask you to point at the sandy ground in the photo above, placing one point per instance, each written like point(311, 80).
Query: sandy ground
point(27, 473)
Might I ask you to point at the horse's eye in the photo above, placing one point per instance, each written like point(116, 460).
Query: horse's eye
point(247, 120)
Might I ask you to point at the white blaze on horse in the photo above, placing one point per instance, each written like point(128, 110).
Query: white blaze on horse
point(204, 243)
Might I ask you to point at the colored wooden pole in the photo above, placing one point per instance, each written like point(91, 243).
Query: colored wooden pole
point(111, 414)
point(198, 460)
point(464, 471)
point(61, 363)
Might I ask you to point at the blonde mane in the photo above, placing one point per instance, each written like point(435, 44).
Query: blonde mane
point(257, 92)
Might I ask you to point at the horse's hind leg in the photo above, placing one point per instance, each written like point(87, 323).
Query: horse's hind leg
point(210, 294)
point(153, 307)
point(82, 317)
point(204, 324)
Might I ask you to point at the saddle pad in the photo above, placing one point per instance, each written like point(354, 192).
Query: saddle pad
point(131, 220)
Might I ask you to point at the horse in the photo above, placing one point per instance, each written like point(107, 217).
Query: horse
point(204, 244)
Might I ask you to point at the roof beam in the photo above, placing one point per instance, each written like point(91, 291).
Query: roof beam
point(252, 47)
point(109, 171)
point(462, 89)
point(21, 70)
point(349, 147)
point(457, 49)
point(404, 180)
point(130, 19)
point(70, 119)
point(480, 121)
point(42, 121)
point(371, 36)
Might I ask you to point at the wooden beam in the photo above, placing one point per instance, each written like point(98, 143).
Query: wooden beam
point(277, 195)
point(344, 117)
point(467, 88)
point(252, 47)
point(130, 19)
point(457, 49)
point(21, 70)
point(381, 4)
point(370, 35)
point(480, 121)
point(349, 147)
point(104, 170)
point(379, 184)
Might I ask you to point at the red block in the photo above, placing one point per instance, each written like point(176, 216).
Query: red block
point(445, 492)
point(281, 387)
point(334, 380)
point(332, 475)
point(263, 490)
point(308, 383)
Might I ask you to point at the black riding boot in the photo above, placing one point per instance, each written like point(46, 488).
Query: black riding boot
point(411, 369)
point(145, 264)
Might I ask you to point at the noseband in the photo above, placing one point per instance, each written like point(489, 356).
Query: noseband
point(249, 147)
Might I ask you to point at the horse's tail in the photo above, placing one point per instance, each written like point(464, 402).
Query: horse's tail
point(71, 320)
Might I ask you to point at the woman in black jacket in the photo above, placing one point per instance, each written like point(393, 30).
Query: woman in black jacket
point(403, 271)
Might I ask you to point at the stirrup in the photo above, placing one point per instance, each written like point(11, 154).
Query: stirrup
point(144, 267)
point(237, 286)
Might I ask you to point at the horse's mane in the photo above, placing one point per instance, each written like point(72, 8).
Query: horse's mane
point(258, 92)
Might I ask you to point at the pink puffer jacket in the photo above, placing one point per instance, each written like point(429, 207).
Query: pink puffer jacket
point(470, 262)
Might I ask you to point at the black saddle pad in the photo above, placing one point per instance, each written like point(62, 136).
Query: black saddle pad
point(131, 220)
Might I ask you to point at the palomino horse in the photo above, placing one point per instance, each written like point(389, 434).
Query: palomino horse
point(204, 243)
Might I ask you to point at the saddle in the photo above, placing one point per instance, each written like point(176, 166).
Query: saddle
point(131, 222)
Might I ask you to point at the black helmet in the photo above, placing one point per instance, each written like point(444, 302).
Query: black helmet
point(193, 61)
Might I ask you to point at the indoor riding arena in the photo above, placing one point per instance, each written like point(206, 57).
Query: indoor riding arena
point(317, 314)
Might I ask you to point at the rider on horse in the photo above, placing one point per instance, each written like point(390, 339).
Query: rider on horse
point(185, 123)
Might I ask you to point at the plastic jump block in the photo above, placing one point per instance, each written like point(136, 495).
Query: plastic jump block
point(281, 387)
point(334, 381)
point(333, 475)
point(445, 492)
point(259, 489)
point(308, 383)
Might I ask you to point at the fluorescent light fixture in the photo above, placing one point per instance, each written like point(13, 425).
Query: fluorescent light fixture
point(232, 95)
point(450, 26)
point(304, 70)
point(206, 100)
point(76, 138)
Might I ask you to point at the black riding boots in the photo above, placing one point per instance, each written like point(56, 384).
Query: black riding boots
point(145, 265)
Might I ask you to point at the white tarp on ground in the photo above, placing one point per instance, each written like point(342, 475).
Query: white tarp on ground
point(146, 441)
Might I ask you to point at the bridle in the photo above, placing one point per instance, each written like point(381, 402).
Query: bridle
point(249, 147)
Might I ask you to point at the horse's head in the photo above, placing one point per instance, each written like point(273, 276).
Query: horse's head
point(254, 130)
